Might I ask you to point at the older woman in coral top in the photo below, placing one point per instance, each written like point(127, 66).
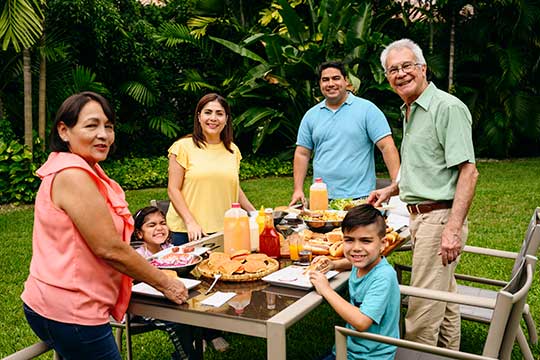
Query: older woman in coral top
point(82, 264)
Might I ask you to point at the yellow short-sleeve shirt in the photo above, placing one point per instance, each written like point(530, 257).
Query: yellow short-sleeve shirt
point(211, 183)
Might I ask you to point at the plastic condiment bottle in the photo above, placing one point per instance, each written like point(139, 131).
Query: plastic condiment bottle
point(260, 220)
point(269, 238)
point(236, 230)
point(253, 233)
point(318, 195)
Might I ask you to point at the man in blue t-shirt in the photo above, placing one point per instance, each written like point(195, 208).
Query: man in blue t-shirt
point(341, 131)
point(373, 285)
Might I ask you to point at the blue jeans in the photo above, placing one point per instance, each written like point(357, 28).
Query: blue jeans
point(72, 341)
point(179, 238)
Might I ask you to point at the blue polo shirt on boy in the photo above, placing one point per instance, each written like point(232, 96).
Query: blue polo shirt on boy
point(377, 296)
point(343, 144)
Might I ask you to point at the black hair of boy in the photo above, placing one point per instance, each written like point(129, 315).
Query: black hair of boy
point(364, 215)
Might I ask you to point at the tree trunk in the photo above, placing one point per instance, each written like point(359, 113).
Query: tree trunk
point(451, 54)
point(42, 97)
point(27, 73)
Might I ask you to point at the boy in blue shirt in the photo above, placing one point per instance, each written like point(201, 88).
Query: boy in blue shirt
point(373, 286)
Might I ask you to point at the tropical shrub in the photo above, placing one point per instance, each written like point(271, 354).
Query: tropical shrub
point(18, 183)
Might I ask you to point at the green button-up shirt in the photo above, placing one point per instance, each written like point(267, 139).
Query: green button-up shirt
point(436, 138)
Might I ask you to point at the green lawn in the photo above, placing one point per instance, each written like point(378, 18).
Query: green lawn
point(507, 194)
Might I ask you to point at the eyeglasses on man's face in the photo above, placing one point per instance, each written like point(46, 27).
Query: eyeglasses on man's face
point(406, 67)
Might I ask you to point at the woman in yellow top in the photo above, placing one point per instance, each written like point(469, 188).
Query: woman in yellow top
point(204, 173)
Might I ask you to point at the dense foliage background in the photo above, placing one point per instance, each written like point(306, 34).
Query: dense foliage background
point(154, 63)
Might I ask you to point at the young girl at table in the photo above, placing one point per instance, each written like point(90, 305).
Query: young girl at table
point(373, 287)
point(152, 233)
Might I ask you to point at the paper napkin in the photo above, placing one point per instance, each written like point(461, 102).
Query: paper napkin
point(218, 298)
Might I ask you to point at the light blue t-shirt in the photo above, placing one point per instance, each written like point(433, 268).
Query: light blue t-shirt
point(377, 296)
point(343, 142)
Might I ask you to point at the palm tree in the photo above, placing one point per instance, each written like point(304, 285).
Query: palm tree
point(21, 26)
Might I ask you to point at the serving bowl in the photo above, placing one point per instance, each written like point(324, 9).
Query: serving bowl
point(180, 268)
point(324, 225)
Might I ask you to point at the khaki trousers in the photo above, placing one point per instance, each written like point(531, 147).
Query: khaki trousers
point(431, 322)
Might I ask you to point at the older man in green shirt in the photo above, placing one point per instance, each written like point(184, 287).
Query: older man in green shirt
point(437, 180)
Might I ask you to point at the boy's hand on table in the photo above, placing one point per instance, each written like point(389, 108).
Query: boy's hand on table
point(319, 280)
point(324, 264)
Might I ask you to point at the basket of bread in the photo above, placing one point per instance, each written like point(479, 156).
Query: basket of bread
point(393, 240)
point(239, 266)
point(329, 243)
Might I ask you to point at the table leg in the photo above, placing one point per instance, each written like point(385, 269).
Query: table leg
point(198, 337)
point(128, 338)
point(276, 346)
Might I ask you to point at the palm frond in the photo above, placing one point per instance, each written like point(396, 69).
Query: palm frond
point(240, 50)
point(139, 92)
point(194, 82)
point(165, 126)
point(173, 34)
point(21, 24)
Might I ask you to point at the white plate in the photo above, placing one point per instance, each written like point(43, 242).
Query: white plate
point(293, 277)
point(145, 289)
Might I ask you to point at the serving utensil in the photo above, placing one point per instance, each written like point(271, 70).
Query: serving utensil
point(216, 278)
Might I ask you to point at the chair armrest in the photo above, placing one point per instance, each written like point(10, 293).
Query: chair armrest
point(29, 352)
point(490, 252)
point(447, 296)
point(341, 345)
point(481, 280)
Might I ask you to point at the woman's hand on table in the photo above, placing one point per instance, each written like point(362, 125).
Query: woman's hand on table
point(195, 231)
point(175, 290)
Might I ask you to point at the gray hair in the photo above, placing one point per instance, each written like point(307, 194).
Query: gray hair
point(403, 44)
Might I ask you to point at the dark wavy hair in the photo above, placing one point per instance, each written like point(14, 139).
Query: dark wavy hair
point(363, 215)
point(332, 64)
point(140, 219)
point(226, 134)
point(68, 113)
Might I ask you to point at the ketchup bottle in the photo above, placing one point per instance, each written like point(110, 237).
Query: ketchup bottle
point(269, 238)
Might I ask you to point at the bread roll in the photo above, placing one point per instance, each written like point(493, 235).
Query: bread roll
point(336, 249)
point(334, 236)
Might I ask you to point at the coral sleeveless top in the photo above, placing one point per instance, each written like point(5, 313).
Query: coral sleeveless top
point(67, 282)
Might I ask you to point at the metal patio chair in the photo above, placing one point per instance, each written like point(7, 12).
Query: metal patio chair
point(529, 246)
point(507, 310)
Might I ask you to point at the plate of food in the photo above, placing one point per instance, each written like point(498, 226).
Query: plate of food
point(294, 277)
point(323, 221)
point(145, 289)
point(239, 266)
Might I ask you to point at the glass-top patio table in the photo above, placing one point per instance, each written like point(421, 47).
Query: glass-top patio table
point(270, 312)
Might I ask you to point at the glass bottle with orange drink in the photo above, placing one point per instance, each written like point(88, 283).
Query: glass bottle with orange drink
point(269, 238)
point(318, 195)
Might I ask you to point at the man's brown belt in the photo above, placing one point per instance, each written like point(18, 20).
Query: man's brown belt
point(423, 208)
